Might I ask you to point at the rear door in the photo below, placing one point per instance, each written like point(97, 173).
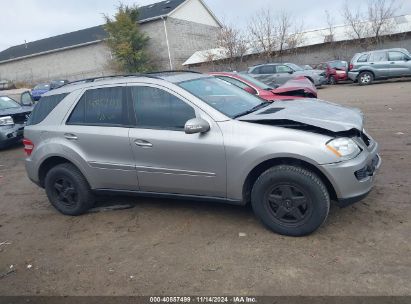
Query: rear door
point(379, 63)
point(265, 73)
point(399, 64)
point(166, 158)
point(98, 130)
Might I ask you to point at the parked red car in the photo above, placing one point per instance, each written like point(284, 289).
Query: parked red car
point(297, 87)
point(336, 70)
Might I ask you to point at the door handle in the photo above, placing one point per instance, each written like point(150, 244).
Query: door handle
point(70, 136)
point(392, 62)
point(143, 143)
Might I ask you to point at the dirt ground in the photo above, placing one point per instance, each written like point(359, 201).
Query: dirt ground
point(191, 248)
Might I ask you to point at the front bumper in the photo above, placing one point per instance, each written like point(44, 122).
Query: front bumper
point(353, 75)
point(11, 134)
point(353, 180)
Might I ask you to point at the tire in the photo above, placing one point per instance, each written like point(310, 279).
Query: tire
point(365, 78)
point(332, 80)
point(68, 190)
point(298, 211)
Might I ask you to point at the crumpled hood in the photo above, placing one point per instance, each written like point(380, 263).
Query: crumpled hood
point(311, 112)
point(13, 111)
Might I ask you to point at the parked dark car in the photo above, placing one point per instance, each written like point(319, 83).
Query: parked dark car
point(39, 90)
point(13, 118)
point(55, 84)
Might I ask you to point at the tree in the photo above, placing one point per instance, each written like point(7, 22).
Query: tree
point(127, 43)
point(380, 16)
point(372, 24)
point(263, 32)
point(233, 45)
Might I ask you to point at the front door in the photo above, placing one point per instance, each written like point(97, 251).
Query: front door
point(399, 64)
point(167, 159)
point(283, 74)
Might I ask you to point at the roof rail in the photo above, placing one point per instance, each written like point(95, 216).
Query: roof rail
point(150, 74)
point(93, 79)
point(173, 71)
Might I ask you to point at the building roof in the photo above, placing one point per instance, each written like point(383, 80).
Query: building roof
point(83, 37)
point(309, 38)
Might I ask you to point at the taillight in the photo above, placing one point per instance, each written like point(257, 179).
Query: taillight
point(28, 146)
point(350, 67)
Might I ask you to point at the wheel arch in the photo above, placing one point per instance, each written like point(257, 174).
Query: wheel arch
point(267, 164)
point(50, 163)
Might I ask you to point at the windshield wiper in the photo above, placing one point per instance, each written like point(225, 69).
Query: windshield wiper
point(257, 107)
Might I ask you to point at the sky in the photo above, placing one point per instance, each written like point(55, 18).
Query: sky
point(31, 20)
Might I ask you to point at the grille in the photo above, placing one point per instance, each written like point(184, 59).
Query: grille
point(20, 118)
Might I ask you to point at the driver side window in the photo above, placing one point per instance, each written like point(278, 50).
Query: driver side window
point(283, 69)
point(157, 109)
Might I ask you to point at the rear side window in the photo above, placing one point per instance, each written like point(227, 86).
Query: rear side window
point(103, 106)
point(157, 109)
point(44, 107)
point(267, 69)
point(378, 57)
point(363, 58)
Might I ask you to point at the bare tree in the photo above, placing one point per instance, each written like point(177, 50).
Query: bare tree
point(372, 24)
point(330, 32)
point(380, 16)
point(233, 45)
point(262, 30)
point(283, 28)
point(296, 38)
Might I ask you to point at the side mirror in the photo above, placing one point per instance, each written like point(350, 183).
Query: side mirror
point(291, 72)
point(26, 99)
point(196, 125)
point(250, 90)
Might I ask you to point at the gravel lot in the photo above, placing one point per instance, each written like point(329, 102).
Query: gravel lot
point(191, 248)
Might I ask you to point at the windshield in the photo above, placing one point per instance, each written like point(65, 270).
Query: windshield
point(222, 96)
point(8, 103)
point(256, 82)
point(338, 64)
point(294, 67)
point(43, 86)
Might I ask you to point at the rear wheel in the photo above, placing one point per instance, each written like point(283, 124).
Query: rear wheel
point(290, 200)
point(68, 190)
point(365, 78)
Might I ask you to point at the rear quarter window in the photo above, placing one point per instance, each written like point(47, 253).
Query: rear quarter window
point(44, 107)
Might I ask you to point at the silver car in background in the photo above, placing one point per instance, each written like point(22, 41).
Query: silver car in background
point(193, 136)
point(280, 73)
point(381, 64)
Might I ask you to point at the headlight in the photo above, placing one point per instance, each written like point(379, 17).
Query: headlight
point(344, 148)
point(6, 121)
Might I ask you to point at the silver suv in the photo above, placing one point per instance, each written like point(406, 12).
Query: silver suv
point(382, 64)
point(280, 73)
point(193, 136)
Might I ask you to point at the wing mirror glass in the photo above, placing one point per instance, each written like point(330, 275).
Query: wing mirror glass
point(26, 99)
point(196, 125)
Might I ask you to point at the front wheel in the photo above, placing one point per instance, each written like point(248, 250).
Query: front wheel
point(365, 78)
point(290, 200)
point(332, 80)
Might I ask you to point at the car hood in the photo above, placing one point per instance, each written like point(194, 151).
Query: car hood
point(13, 111)
point(308, 113)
